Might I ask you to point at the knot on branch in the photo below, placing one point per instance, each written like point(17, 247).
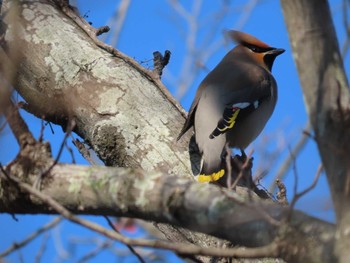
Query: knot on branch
point(282, 193)
point(101, 30)
point(160, 61)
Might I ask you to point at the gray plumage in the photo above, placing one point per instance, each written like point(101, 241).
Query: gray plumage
point(234, 101)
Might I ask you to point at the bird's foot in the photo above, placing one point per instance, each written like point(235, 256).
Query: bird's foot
point(243, 155)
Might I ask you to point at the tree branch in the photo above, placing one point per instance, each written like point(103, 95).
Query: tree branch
point(121, 110)
point(200, 207)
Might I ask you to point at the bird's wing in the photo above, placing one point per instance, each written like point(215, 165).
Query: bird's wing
point(240, 104)
point(190, 117)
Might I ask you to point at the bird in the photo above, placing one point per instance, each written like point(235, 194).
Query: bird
point(233, 103)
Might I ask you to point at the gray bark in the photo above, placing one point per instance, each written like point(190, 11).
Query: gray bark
point(119, 110)
point(326, 94)
point(178, 201)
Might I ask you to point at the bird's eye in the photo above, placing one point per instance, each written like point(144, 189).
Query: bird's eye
point(254, 48)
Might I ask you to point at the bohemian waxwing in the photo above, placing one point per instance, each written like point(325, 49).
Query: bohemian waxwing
point(233, 102)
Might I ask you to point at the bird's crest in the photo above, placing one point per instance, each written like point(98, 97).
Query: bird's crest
point(245, 39)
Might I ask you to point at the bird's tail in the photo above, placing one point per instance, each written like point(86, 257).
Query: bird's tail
point(212, 171)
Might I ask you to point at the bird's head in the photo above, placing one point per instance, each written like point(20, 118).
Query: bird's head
point(255, 49)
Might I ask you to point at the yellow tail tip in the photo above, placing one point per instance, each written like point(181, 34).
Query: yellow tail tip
point(205, 178)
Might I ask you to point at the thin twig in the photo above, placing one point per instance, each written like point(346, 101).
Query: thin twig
point(20, 256)
point(243, 169)
point(284, 167)
point(191, 18)
point(119, 18)
point(228, 166)
point(42, 128)
point(297, 196)
point(70, 150)
point(197, 54)
point(84, 151)
point(132, 250)
point(39, 179)
point(96, 251)
point(42, 248)
point(17, 245)
point(51, 128)
point(3, 125)
point(295, 173)
point(346, 24)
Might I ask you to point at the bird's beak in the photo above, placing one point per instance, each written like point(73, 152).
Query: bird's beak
point(276, 51)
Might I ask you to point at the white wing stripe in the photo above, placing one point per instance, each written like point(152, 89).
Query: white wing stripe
point(241, 105)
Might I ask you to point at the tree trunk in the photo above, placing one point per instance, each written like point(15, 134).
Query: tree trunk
point(326, 94)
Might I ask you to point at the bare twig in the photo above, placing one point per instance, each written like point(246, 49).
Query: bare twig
point(346, 45)
point(228, 166)
point(41, 134)
point(32, 236)
point(42, 248)
point(70, 150)
point(132, 250)
point(308, 189)
point(118, 20)
point(70, 127)
point(84, 151)
point(96, 251)
point(243, 169)
point(246, 12)
point(295, 173)
point(20, 256)
point(284, 167)
point(198, 53)
point(51, 128)
point(2, 125)
point(267, 193)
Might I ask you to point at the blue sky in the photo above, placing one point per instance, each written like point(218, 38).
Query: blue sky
point(153, 25)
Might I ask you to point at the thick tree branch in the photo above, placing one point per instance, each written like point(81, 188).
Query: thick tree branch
point(265, 251)
point(158, 197)
point(17, 125)
point(127, 119)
